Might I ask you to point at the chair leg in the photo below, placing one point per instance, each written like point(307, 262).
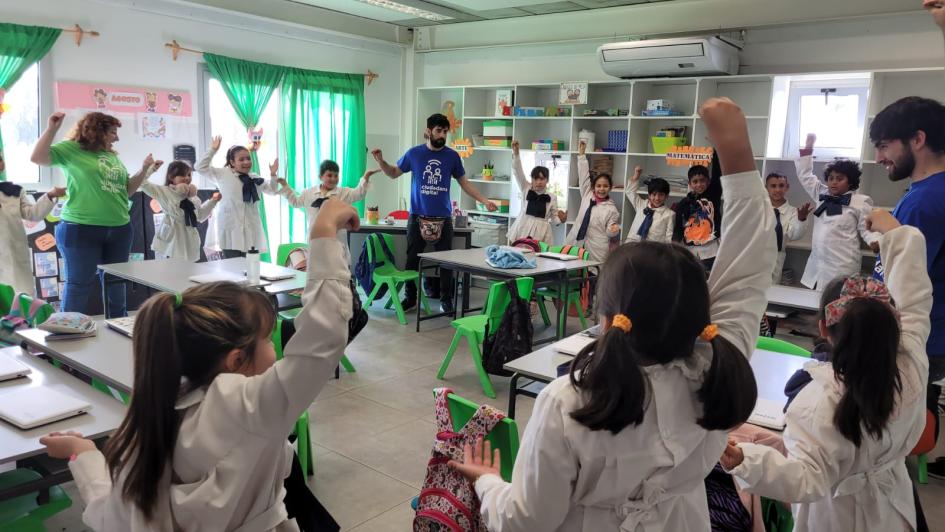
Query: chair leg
point(576, 300)
point(544, 311)
point(306, 456)
point(424, 301)
point(395, 302)
point(345, 363)
point(923, 468)
point(370, 299)
point(449, 355)
point(477, 359)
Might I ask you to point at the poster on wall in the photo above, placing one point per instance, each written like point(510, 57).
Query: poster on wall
point(119, 99)
point(572, 93)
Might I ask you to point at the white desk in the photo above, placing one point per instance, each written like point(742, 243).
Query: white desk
point(107, 356)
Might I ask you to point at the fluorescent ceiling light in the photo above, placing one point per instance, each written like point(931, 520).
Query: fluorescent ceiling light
point(409, 10)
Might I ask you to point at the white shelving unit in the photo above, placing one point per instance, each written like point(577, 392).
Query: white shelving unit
point(754, 93)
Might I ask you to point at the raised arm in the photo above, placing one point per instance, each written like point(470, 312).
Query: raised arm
point(36, 211)
point(517, 171)
point(389, 170)
point(937, 9)
point(206, 208)
point(205, 164)
point(862, 215)
point(633, 190)
point(41, 154)
point(148, 167)
point(746, 256)
point(294, 198)
point(584, 172)
point(271, 185)
point(359, 192)
point(805, 170)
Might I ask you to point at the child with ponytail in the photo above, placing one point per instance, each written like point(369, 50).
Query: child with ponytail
point(850, 428)
point(625, 441)
point(203, 446)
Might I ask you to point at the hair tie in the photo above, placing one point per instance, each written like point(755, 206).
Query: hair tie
point(622, 322)
point(856, 287)
point(178, 300)
point(710, 332)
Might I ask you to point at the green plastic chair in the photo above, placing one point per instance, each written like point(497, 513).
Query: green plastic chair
point(574, 289)
point(387, 274)
point(473, 328)
point(504, 435)
point(780, 346)
point(282, 252)
point(302, 431)
point(7, 293)
point(25, 513)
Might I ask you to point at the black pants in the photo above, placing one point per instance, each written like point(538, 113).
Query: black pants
point(417, 245)
point(302, 505)
point(233, 253)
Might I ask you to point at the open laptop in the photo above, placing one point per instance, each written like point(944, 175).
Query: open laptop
point(124, 325)
point(10, 368)
point(772, 371)
point(28, 407)
point(557, 256)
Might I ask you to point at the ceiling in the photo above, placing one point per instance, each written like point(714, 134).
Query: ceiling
point(462, 10)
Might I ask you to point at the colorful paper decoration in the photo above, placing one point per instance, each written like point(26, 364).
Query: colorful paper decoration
point(463, 147)
point(449, 109)
point(689, 156)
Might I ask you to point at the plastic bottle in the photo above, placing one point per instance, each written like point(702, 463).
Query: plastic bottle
point(252, 266)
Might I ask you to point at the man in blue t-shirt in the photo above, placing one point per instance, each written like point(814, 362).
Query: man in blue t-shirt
point(432, 166)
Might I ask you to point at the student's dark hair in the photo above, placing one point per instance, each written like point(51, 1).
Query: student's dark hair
point(774, 175)
point(169, 343)
point(438, 120)
point(540, 172)
point(662, 289)
point(902, 119)
point(657, 184)
point(232, 152)
point(603, 175)
point(864, 350)
point(697, 170)
point(328, 166)
point(177, 168)
point(848, 168)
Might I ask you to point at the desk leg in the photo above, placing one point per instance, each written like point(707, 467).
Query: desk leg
point(513, 392)
point(419, 293)
point(467, 286)
point(561, 320)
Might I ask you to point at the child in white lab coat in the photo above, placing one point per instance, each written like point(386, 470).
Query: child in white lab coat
point(238, 224)
point(178, 237)
point(654, 220)
point(17, 205)
point(790, 222)
point(598, 219)
point(839, 217)
point(204, 443)
point(539, 207)
point(849, 430)
point(625, 441)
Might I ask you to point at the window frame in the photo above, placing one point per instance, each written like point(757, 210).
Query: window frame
point(859, 87)
point(45, 101)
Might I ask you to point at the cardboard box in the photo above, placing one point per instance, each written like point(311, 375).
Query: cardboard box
point(497, 128)
point(659, 105)
point(497, 142)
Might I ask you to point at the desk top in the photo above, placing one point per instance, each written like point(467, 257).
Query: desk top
point(476, 258)
point(104, 417)
point(541, 364)
point(173, 275)
point(399, 226)
point(790, 296)
point(107, 356)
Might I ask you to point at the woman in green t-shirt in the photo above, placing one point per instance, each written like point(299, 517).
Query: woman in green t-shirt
point(95, 227)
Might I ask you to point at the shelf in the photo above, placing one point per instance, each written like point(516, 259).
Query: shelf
point(679, 117)
point(541, 117)
point(487, 213)
point(624, 117)
point(492, 182)
point(647, 154)
point(488, 117)
point(490, 148)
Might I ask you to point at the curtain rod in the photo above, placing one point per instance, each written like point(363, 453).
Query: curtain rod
point(176, 49)
point(80, 33)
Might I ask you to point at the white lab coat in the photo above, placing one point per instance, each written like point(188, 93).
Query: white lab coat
point(835, 248)
point(305, 199)
point(238, 225)
point(597, 239)
point(663, 217)
point(527, 225)
point(648, 477)
point(834, 484)
point(174, 238)
point(793, 229)
point(15, 267)
point(232, 455)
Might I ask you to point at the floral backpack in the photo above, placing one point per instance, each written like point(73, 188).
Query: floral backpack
point(447, 500)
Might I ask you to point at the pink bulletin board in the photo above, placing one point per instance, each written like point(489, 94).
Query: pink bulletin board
point(120, 99)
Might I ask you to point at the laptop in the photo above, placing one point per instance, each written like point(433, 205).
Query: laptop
point(28, 407)
point(557, 256)
point(271, 272)
point(11, 368)
point(124, 325)
point(224, 276)
point(772, 371)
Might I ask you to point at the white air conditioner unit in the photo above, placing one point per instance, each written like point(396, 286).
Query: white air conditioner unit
point(669, 57)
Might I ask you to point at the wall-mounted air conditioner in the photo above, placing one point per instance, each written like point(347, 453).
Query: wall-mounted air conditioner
point(697, 56)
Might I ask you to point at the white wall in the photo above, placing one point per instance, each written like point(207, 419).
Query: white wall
point(130, 51)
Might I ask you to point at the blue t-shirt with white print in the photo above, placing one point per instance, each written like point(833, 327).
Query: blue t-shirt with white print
point(923, 207)
point(432, 174)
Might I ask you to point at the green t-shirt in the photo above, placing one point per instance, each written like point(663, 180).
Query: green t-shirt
point(96, 185)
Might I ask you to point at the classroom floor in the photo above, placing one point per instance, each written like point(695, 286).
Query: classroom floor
point(373, 429)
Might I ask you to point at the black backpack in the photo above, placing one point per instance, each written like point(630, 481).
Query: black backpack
point(512, 338)
point(364, 268)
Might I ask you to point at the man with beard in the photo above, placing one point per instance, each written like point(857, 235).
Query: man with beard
point(433, 165)
point(909, 136)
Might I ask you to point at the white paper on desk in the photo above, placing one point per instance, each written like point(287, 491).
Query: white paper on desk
point(223, 276)
point(572, 345)
point(768, 413)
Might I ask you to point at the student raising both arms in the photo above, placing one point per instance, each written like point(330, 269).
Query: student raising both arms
point(849, 430)
point(203, 446)
point(625, 441)
point(654, 220)
point(598, 217)
point(539, 208)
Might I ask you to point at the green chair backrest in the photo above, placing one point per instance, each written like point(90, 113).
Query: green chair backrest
point(503, 437)
point(573, 251)
point(498, 298)
point(376, 253)
point(282, 253)
point(7, 293)
point(25, 301)
point(780, 346)
point(543, 246)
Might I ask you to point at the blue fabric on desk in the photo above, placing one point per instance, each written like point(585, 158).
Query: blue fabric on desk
point(508, 258)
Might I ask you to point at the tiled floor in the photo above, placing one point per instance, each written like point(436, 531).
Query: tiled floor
point(373, 429)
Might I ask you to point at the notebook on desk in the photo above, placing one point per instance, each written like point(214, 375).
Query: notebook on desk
point(124, 325)
point(28, 407)
point(10, 368)
point(772, 371)
point(572, 345)
point(271, 272)
point(213, 277)
point(557, 256)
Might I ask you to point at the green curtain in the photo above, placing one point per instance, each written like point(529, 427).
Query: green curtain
point(20, 47)
point(322, 118)
point(248, 85)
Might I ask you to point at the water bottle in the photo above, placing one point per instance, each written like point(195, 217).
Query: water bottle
point(252, 266)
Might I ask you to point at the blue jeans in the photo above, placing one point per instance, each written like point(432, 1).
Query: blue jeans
point(83, 248)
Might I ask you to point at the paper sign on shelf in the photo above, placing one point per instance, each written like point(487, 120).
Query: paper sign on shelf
point(463, 147)
point(689, 156)
point(572, 94)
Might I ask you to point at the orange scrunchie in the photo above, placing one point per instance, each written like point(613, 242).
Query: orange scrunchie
point(711, 331)
point(622, 322)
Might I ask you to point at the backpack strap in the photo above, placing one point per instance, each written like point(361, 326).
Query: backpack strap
point(444, 421)
point(387, 252)
point(481, 423)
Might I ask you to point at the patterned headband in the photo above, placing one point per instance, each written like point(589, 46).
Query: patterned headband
point(856, 287)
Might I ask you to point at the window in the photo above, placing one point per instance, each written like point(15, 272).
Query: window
point(834, 110)
point(20, 127)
